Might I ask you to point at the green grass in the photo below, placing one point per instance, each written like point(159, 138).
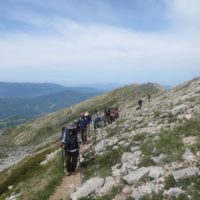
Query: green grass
point(170, 142)
point(32, 180)
point(140, 137)
point(101, 165)
point(191, 185)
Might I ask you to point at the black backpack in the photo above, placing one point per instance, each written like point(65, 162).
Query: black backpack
point(71, 142)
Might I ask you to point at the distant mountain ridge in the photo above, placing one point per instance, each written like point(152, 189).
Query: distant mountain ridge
point(20, 102)
point(29, 90)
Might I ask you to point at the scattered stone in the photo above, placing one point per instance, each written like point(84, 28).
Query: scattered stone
point(135, 176)
point(13, 196)
point(115, 147)
point(179, 109)
point(127, 190)
point(135, 148)
point(108, 185)
point(155, 172)
point(130, 157)
point(173, 192)
point(190, 140)
point(121, 143)
point(10, 187)
point(120, 196)
point(183, 173)
point(142, 191)
point(49, 158)
point(188, 155)
point(87, 188)
point(159, 159)
point(101, 146)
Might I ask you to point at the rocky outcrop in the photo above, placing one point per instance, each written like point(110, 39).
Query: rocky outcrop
point(184, 173)
point(87, 188)
point(135, 176)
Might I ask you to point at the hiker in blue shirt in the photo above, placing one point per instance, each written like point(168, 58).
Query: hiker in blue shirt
point(83, 128)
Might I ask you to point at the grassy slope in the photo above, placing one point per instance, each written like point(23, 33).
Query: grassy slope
point(37, 130)
point(30, 178)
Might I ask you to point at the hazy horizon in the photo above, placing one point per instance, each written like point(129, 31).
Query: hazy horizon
point(71, 42)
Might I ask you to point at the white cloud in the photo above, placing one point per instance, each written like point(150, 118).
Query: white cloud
point(71, 45)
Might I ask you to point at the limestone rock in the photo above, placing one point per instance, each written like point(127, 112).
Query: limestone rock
point(142, 191)
point(87, 188)
point(159, 159)
point(135, 176)
point(101, 146)
point(183, 173)
point(188, 155)
point(108, 185)
point(135, 148)
point(173, 192)
point(179, 109)
point(155, 172)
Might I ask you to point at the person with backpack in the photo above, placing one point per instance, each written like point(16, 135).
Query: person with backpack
point(96, 120)
point(88, 121)
point(83, 128)
point(140, 104)
point(70, 142)
point(149, 97)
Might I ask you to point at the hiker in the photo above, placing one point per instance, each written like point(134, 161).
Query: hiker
point(88, 121)
point(71, 141)
point(105, 116)
point(83, 127)
point(96, 120)
point(149, 97)
point(139, 104)
point(109, 116)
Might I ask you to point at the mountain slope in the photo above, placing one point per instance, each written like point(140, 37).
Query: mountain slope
point(54, 121)
point(152, 153)
point(38, 138)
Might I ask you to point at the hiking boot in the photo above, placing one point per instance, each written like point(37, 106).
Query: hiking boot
point(69, 173)
point(74, 173)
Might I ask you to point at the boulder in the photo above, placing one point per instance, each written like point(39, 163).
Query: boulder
point(155, 172)
point(183, 173)
point(87, 188)
point(173, 192)
point(101, 146)
point(137, 175)
point(130, 157)
point(179, 109)
point(159, 159)
point(188, 155)
point(108, 185)
point(135, 148)
point(142, 191)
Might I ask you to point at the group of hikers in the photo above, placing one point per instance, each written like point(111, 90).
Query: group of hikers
point(77, 133)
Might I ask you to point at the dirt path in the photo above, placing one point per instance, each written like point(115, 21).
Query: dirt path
point(68, 183)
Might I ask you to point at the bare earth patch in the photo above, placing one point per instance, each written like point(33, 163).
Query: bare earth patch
point(190, 140)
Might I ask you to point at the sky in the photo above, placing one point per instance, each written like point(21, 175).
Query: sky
point(78, 42)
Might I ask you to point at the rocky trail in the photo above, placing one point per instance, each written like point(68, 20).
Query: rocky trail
point(157, 158)
point(152, 153)
point(68, 183)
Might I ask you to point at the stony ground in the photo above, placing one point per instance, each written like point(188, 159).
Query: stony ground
point(152, 153)
point(147, 154)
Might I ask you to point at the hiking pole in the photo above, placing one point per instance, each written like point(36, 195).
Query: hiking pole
point(63, 158)
point(79, 160)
